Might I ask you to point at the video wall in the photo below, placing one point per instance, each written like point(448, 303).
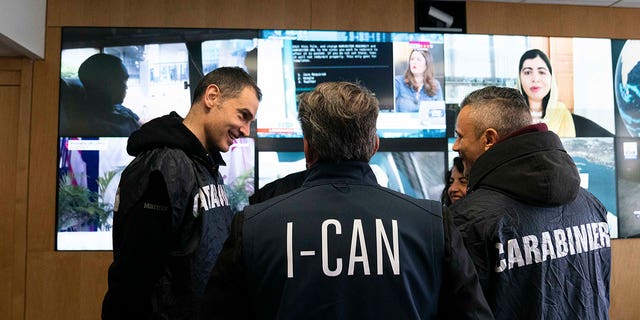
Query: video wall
point(594, 82)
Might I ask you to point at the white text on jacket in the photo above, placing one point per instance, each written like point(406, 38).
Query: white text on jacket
point(553, 245)
point(332, 228)
point(209, 197)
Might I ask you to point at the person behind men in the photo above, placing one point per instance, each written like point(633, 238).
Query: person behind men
point(171, 212)
point(99, 113)
point(341, 246)
point(455, 183)
point(540, 242)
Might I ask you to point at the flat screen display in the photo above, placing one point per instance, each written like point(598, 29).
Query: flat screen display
point(89, 172)
point(628, 183)
point(419, 174)
point(159, 67)
point(419, 79)
point(291, 62)
point(581, 77)
point(595, 159)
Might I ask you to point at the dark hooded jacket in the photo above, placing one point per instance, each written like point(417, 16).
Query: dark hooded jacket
point(171, 218)
point(540, 243)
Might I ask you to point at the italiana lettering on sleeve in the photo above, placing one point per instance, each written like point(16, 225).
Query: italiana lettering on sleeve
point(386, 244)
point(550, 245)
point(209, 197)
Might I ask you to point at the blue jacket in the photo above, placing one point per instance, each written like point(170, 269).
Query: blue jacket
point(405, 96)
point(343, 247)
point(539, 242)
point(171, 218)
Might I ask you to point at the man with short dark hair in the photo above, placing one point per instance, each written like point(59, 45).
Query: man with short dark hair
point(171, 212)
point(341, 246)
point(539, 242)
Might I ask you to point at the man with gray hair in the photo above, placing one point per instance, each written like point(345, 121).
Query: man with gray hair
point(540, 243)
point(341, 246)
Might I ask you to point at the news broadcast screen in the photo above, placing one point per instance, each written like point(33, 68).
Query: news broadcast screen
point(291, 62)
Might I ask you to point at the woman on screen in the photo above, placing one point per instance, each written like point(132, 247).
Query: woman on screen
point(418, 82)
point(538, 86)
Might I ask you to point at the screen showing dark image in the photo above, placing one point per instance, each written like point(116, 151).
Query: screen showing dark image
point(628, 173)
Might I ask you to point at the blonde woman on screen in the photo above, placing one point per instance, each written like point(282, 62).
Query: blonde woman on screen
point(538, 85)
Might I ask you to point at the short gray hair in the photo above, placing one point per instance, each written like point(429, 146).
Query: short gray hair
point(338, 119)
point(503, 109)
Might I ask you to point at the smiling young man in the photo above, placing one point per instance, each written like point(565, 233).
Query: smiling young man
point(171, 212)
point(539, 242)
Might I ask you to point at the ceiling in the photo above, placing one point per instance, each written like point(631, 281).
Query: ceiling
point(599, 3)
point(9, 48)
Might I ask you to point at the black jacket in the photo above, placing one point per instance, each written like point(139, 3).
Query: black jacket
point(278, 187)
point(343, 247)
point(171, 218)
point(540, 243)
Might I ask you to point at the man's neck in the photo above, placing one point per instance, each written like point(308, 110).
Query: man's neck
point(538, 127)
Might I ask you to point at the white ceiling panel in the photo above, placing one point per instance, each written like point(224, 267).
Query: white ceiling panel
point(627, 4)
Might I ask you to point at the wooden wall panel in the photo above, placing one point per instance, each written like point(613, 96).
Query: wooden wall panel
point(552, 20)
point(10, 96)
point(15, 94)
point(625, 279)
point(22, 189)
point(293, 14)
point(367, 15)
point(67, 285)
point(43, 153)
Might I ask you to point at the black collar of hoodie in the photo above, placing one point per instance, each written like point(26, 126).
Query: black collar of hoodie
point(169, 131)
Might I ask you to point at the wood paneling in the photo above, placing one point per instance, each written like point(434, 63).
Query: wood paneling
point(292, 14)
point(625, 279)
point(66, 285)
point(368, 15)
point(10, 78)
point(43, 153)
point(10, 96)
point(15, 94)
point(552, 20)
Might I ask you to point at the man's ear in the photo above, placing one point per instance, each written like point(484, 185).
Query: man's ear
point(309, 154)
point(377, 145)
point(211, 96)
point(491, 138)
